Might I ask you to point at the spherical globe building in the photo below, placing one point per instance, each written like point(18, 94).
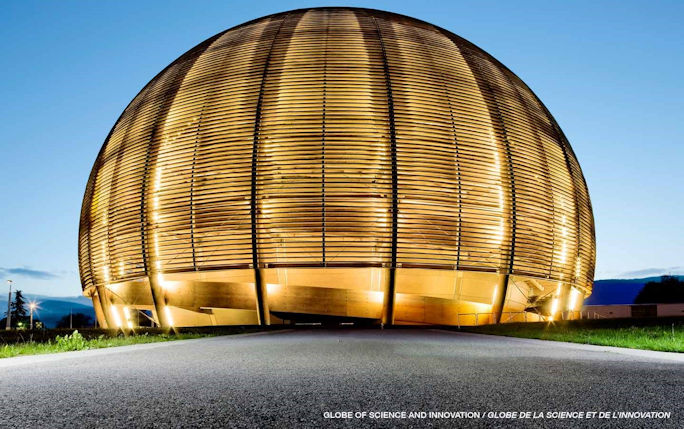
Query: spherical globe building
point(336, 162)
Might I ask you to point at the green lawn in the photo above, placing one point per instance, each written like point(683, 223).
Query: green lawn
point(661, 335)
point(76, 341)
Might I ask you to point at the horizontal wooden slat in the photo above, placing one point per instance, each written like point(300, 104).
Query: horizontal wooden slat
point(485, 178)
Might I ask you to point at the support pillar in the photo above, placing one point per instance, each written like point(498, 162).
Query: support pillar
point(99, 312)
point(159, 302)
point(388, 302)
point(388, 307)
point(105, 305)
point(563, 299)
point(263, 313)
point(500, 297)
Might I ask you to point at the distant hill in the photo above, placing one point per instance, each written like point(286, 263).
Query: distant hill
point(618, 291)
point(52, 308)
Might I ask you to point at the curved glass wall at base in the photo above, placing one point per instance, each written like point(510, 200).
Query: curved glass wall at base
point(422, 296)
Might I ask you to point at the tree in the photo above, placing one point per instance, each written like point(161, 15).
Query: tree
point(17, 310)
point(668, 290)
point(78, 320)
point(18, 307)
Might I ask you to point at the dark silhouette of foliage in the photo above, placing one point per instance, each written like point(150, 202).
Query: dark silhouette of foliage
point(668, 290)
point(18, 307)
point(16, 323)
point(18, 311)
point(78, 320)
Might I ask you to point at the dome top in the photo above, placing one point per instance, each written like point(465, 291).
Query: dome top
point(336, 137)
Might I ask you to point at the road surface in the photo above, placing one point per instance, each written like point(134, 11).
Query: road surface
point(305, 378)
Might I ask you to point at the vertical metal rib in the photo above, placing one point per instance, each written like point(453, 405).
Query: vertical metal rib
point(504, 281)
point(495, 112)
point(458, 176)
point(86, 211)
point(192, 188)
point(174, 83)
point(565, 147)
point(262, 306)
point(457, 168)
point(325, 71)
point(87, 214)
point(542, 153)
point(388, 317)
point(574, 194)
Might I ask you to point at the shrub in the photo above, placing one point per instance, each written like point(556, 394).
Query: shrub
point(75, 341)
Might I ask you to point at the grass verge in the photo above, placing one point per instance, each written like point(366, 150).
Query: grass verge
point(76, 341)
point(18, 343)
point(664, 335)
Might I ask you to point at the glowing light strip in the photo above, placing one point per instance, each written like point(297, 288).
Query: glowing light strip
point(127, 316)
point(117, 318)
point(574, 294)
point(554, 308)
point(167, 312)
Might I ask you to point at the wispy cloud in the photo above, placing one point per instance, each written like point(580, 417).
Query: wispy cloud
point(650, 272)
point(27, 272)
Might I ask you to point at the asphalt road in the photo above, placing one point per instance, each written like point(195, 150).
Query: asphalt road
point(290, 379)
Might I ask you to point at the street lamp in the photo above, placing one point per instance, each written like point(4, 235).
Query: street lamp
point(9, 302)
point(32, 306)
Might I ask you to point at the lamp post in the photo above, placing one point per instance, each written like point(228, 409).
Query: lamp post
point(9, 302)
point(32, 306)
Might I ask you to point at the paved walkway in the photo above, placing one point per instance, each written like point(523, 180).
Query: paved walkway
point(294, 378)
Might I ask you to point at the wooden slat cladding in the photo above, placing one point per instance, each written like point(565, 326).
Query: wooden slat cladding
point(324, 121)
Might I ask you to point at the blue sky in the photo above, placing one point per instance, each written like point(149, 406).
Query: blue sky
point(609, 71)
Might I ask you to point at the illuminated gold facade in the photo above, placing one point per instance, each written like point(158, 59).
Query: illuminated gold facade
point(342, 162)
